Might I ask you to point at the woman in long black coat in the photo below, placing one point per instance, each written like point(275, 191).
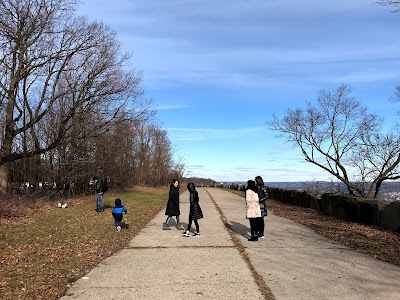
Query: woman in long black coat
point(195, 212)
point(172, 209)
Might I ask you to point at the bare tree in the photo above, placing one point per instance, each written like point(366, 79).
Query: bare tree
point(377, 160)
point(338, 135)
point(57, 70)
point(178, 169)
point(161, 154)
point(153, 155)
point(395, 4)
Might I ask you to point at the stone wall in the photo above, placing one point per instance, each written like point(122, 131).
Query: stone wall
point(381, 213)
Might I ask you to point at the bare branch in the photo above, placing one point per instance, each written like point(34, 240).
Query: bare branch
point(337, 134)
point(395, 4)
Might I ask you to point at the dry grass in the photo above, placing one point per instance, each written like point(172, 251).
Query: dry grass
point(44, 249)
point(371, 240)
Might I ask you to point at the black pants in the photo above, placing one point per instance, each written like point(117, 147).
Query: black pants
point(169, 218)
point(261, 226)
point(254, 224)
point(195, 223)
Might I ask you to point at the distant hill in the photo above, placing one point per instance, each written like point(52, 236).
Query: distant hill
point(198, 181)
point(390, 189)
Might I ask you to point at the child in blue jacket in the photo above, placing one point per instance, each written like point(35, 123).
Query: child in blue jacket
point(117, 212)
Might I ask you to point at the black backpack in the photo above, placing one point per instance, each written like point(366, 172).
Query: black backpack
point(104, 186)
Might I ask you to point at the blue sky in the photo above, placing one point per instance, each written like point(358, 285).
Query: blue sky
point(217, 71)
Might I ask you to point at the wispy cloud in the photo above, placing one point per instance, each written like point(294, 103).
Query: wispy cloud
point(196, 167)
point(170, 106)
point(367, 77)
point(201, 134)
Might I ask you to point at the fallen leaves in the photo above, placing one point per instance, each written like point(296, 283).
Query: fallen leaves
point(43, 252)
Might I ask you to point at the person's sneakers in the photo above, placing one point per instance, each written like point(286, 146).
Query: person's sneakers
point(165, 226)
point(186, 233)
point(261, 236)
point(197, 234)
point(253, 239)
point(179, 226)
point(118, 228)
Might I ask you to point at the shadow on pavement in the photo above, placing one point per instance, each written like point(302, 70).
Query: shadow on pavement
point(240, 229)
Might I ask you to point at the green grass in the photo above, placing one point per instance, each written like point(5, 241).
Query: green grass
point(44, 253)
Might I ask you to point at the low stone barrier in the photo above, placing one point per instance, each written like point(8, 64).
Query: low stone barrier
point(384, 214)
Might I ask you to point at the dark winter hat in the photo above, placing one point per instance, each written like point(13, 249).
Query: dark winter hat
point(191, 187)
point(117, 201)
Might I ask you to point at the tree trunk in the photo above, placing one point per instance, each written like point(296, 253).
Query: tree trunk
point(4, 176)
point(5, 150)
point(377, 188)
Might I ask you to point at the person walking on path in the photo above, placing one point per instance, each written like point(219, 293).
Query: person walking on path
point(195, 212)
point(253, 211)
point(262, 198)
point(117, 212)
point(173, 205)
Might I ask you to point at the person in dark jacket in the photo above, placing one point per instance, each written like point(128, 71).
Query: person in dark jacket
point(98, 188)
point(117, 212)
point(195, 212)
point(262, 198)
point(173, 205)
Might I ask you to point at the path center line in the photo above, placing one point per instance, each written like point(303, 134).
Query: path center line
point(262, 286)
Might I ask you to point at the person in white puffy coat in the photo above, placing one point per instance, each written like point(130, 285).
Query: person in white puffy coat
point(253, 210)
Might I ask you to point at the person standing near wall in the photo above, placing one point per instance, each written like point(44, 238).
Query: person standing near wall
point(253, 212)
point(262, 198)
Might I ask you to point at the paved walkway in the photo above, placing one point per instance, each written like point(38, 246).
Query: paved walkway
point(293, 261)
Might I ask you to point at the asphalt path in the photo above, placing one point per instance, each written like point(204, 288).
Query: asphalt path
point(292, 262)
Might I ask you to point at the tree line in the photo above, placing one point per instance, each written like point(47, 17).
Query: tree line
point(71, 105)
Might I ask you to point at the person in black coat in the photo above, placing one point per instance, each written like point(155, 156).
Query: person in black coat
point(263, 197)
point(173, 205)
point(195, 212)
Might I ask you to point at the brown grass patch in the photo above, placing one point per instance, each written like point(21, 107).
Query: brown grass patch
point(47, 248)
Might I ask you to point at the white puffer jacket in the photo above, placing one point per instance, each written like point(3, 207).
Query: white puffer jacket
point(252, 205)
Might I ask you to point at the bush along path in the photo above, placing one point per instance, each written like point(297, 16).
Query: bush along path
point(43, 254)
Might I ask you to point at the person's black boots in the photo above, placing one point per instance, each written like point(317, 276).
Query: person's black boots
point(253, 239)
